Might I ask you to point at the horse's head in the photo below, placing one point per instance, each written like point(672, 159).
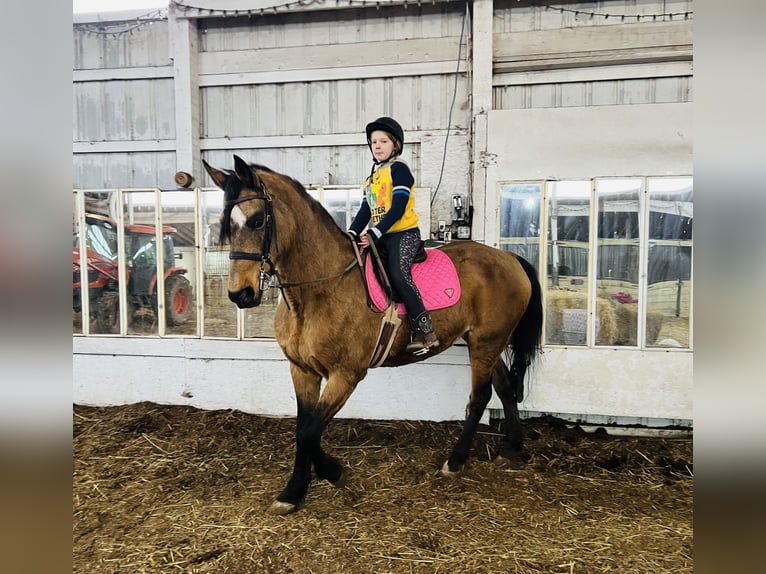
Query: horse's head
point(259, 201)
point(247, 223)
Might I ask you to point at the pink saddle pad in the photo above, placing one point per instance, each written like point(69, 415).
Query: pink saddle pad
point(436, 279)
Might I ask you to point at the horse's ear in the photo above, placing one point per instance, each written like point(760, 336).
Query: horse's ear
point(219, 177)
point(244, 172)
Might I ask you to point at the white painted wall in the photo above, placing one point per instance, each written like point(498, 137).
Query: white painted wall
point(253, 376)
point(582, 143)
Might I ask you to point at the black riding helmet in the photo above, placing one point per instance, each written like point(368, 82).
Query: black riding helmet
point(388, 125)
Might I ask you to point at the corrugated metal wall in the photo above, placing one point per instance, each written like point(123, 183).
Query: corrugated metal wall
point(510, 17)
point(523, 91)
point(138, 110)
point(103, 45)
point(595, 93)
point(297, 88)
point(300, 47)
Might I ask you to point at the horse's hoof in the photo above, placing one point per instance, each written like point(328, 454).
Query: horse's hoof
point(447, 472)
point(342, 479)
point(282, 508)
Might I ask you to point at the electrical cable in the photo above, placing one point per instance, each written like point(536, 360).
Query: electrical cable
point(452, 105)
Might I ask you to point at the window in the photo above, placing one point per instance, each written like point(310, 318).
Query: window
point(520, 219)
point(669, 266)
point(568, 256)
point(617, 260)
point(123, 290)
point(617, 257)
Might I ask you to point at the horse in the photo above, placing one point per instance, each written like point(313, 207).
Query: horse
point(327, 330)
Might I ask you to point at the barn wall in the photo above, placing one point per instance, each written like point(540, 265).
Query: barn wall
point(290, 90)
point(253, 376)
point(124, 121)
point(539, 93)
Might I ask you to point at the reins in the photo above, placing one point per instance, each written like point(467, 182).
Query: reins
point(348, 268)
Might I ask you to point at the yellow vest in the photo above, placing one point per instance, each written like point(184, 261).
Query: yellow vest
point(379, 193)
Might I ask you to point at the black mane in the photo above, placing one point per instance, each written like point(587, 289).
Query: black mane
point(232, 187)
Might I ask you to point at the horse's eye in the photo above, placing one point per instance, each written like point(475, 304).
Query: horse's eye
point(256, 221)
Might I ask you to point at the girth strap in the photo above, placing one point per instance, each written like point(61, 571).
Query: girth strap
point(390, 322)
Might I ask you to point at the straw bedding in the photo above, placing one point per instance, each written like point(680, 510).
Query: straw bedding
point(177, 489)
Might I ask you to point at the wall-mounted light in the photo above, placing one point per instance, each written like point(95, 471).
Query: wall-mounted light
point(458, 213)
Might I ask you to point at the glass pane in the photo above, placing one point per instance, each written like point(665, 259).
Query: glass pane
point(139, 209)
point(617, 261)
point(568, 254)
point(178, 221)
point(342, 204)
point(220, 314)
point(520, 220)
point(77, 326)
point(259, 321)
point(100, 234)
point(668, 300)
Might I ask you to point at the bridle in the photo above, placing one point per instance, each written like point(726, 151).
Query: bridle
point(264, 256)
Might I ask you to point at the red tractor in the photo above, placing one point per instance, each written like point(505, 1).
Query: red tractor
point(141, 273)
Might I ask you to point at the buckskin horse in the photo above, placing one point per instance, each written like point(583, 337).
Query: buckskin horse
point(327, 330)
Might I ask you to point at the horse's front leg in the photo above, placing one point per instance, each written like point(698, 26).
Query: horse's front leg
point(306, 385)
point(312, 419)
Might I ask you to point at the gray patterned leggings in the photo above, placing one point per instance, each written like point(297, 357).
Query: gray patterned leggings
point(401, 248)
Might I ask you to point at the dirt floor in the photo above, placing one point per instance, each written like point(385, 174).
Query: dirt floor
point(176, 489)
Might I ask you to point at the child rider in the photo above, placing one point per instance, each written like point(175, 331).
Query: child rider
point(389, 201)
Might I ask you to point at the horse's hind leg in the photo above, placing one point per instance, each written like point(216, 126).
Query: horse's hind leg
point(507, 388)
point(481, 392)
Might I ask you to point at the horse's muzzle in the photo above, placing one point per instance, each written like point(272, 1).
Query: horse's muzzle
point(245, 298)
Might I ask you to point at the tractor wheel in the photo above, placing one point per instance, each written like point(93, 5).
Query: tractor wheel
point(178, 300)
point(106, 312)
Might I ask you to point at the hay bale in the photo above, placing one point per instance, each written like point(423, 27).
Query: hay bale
point(654, 322)
point(607, 333)
point(559, 300)
point(627, 321)
point(217, 287)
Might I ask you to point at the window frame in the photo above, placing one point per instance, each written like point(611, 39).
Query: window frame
point(545, 240)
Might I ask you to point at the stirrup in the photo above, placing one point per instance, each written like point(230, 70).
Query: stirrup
point(426, 345)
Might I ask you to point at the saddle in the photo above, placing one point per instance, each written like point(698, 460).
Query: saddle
point(434, 275)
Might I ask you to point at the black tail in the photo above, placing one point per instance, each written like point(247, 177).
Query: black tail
point(526, 340)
